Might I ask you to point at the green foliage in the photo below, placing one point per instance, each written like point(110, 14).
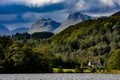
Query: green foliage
point(114, 60)
point(21, 37)
point(41, 35)
point(78, 69)
point(74, 46)
point(20, 58)
point(87, 40)
point(60, 70)
point(93, 70)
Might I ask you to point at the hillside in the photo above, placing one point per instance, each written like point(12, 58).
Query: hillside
point(89, 45)
point(89, 40)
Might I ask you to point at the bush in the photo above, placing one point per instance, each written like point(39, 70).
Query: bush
point(78, 70)
point(60, 70)
point(92, 70)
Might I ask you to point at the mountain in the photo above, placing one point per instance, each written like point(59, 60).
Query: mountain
point(4, 30)
point(20, 30)
point(89, 40)
point(72, 19)
point(44, 25)
point(116, 14)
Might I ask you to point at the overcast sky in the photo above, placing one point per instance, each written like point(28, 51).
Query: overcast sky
point(23, 13)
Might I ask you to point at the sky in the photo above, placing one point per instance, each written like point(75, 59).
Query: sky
point(23, 13)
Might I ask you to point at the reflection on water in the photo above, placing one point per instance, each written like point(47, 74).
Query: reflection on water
point(59, 76)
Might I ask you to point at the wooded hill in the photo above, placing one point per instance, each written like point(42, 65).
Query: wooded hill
point(89, 40)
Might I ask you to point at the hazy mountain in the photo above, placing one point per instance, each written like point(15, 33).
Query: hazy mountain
point(44, 25)
point(20, 30)
point(4, 30)
point(72, 19)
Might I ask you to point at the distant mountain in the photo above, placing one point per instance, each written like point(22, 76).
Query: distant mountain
point(44, 25)
point(4, 30)
point(20, 30)
point(72, 19)
point(116, 14)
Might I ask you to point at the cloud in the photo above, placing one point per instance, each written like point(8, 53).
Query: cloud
point(41, 2)
point(13, 21)
point(19, 18)
point(43, 6)
point(30, 2)
point(23, 13)
point(16, 8)
point(111, 2)
point(97, 5)
point(4, 18)
point(32, 17)
point(108, 2)
point(13, 26)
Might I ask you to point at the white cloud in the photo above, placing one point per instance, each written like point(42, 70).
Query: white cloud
point(96, 4)
point(41, 2)
point(108, 2)
point(31, 2)
point(111, 2)
point(82, 5)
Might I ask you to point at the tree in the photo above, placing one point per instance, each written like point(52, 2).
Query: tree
point(114, 60)
point(41, 35)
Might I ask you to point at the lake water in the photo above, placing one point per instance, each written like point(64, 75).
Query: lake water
point(59, 76)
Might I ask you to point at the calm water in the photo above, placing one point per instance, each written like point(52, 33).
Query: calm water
point(59, 76)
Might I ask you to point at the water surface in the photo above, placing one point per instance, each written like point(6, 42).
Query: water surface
point(59, 76)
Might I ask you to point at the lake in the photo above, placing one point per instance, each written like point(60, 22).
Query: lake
point(60, 76)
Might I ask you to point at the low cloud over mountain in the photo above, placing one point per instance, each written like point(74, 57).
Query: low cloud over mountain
point(14, 12)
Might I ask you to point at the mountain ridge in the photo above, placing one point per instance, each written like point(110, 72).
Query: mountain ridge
point(116, 14)
point(6, 31)
point(72, 19)
point(19, 30)
point(44, 25)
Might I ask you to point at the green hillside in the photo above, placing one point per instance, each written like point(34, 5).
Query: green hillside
point(92, 44)
point(89, 40)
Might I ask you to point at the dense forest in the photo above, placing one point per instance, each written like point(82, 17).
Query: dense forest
point(90, 40)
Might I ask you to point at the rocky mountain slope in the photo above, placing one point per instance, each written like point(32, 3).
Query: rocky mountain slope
point(72, 19)
point(44, 25)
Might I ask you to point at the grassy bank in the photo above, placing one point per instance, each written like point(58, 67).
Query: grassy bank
point(109, 72)
point(56, 70)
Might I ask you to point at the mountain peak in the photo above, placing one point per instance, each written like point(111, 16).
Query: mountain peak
point(116, 14)
point(75, 15)
point(44, 25)
point(72, 19)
